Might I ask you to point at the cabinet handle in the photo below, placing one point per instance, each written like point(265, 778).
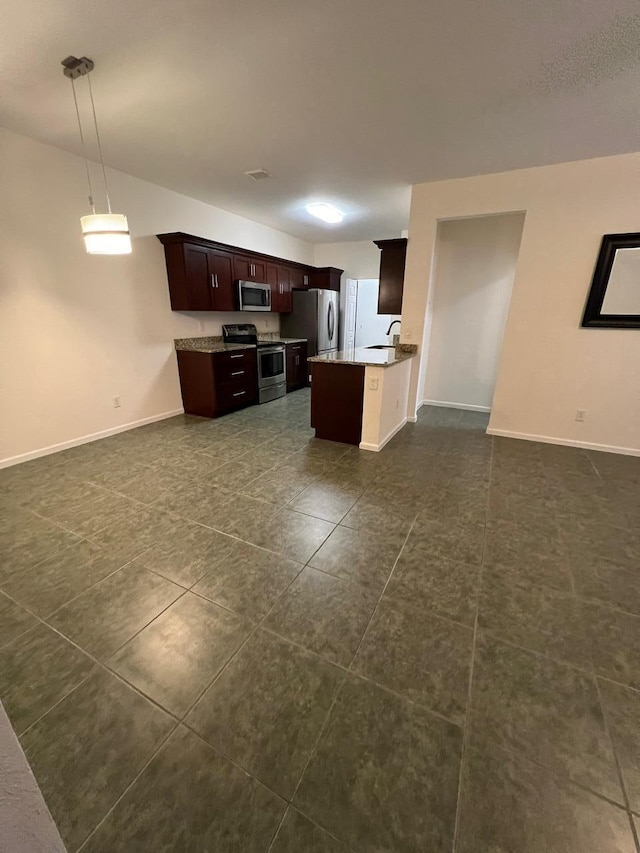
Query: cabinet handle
point(239, 393)
point(217, 283)
point(213, 280)
point(238, 356)
point(238, 372)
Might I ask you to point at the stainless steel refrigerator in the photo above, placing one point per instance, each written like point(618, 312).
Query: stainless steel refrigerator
point(314, 317)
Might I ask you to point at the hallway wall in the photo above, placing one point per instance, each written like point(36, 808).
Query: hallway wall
point(475, 267)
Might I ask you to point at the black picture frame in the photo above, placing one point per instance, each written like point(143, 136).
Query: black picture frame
point(593, 318)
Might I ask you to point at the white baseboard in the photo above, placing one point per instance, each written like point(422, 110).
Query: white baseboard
point(465, 406)
point(377, 447)
point(85, 439)
point(566, 442)
point(412, 419)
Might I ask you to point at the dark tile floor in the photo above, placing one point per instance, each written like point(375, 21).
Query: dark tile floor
point(228, 636)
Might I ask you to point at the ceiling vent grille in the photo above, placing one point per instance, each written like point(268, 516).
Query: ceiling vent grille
point(259, 175)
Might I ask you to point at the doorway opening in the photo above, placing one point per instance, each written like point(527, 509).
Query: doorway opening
point(473, 279)
point(363, 326)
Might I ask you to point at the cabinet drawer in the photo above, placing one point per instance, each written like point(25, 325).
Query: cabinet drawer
point(227, 362)
point(233, 395)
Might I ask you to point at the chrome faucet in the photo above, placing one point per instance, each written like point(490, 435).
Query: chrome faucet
point(391, 326)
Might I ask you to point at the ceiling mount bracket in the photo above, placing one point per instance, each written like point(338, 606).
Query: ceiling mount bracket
point(74, 67)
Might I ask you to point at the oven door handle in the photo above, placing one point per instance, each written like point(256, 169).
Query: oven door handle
point(268, 350)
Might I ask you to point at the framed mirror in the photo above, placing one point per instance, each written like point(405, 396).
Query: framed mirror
point(614, 297)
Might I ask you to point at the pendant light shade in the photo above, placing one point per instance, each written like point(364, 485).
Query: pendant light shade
point(106, 234)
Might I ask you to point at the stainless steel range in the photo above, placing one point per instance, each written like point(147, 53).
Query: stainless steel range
point(272, 370)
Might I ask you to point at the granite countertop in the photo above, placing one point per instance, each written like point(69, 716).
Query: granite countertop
point(215, 343)
point(210, 344)
point(370, 357)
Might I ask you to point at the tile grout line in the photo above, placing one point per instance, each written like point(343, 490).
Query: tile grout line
point(163, 742)
point(181, 721)
point(614, 751)
point(466, 732)
point(334, 700)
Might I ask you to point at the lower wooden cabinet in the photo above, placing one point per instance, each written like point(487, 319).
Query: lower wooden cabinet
point(297, 376)
point(215, 383)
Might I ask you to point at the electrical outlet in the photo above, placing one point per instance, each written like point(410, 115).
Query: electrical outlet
point(373, 384)
point(581, 415)
point(116, 403)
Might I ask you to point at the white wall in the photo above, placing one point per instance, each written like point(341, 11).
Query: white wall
point(78, 329)
point(360, 259)
point(371, 327)
point(475, 267)
point(384, 407)
point(549, 366)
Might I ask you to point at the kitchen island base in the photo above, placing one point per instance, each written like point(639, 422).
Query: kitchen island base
point(337, 392)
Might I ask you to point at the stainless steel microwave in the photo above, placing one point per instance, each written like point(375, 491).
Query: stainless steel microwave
point(253, 296)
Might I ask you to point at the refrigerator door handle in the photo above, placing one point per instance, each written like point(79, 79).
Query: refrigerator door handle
point(330, 321)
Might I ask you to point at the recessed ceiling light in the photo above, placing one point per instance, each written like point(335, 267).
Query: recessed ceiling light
point(326, 212)
point(259, 174)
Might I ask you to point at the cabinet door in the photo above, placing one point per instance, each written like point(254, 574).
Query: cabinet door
point(198, 281)
point(273, 280)
point(296, 366)
point(224, 290)
point(326, 278)
point(285, 301)
point(392, 263)
point(247, 268)
point(297, 277)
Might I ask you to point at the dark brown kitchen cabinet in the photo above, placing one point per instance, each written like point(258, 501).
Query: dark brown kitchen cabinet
point(213, 384)
point(203, 274)
point(296, 366)
point(285, 301)
point(247, 268)
point(299, 278)
point(392, 262)
point(273, 280)
point(200, 279)
point(326, 278)
point(195, 294)
point(224, 296)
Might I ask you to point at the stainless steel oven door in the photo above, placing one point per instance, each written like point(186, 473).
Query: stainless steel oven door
point(254, 297)
point(271, 366)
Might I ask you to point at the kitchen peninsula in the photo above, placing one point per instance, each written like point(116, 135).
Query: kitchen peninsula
point(359, 396)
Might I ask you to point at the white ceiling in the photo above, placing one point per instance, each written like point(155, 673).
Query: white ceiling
point(347, 101)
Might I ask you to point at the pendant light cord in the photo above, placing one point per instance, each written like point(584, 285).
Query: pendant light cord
point(84, 147)
point(95, 122)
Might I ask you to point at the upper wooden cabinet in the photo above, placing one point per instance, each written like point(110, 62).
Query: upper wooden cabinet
point(247, 268)
point(200, 279)
point(203, 274)
point(299, 278)
point(326, 278)
point(392, 260)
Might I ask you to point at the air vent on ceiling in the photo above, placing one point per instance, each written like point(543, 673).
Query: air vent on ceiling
point(259, 175)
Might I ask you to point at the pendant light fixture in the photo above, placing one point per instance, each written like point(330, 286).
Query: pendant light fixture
point(104, 233)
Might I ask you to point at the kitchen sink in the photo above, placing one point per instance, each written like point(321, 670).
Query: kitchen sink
point(381, 346)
